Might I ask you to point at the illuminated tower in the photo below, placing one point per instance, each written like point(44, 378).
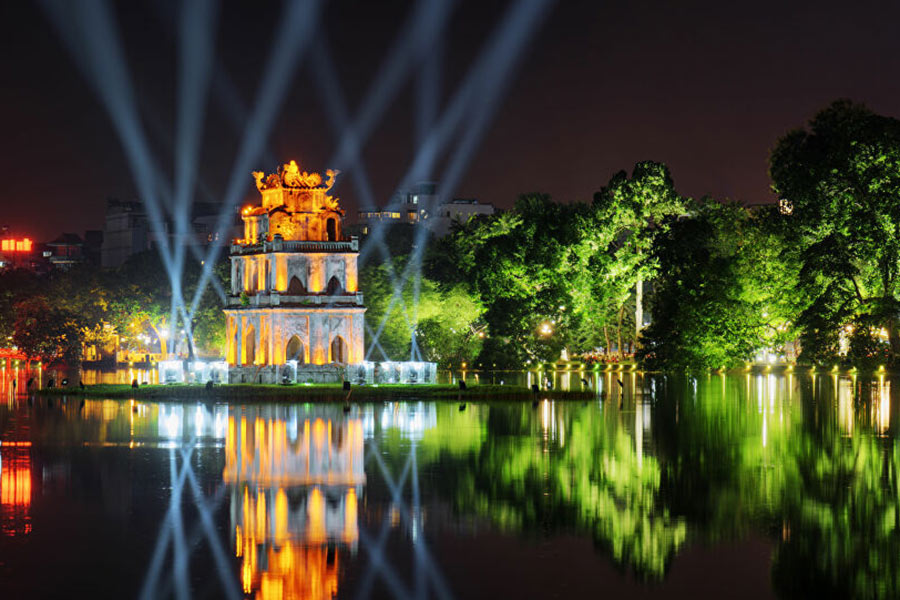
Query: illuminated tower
point(294, 293)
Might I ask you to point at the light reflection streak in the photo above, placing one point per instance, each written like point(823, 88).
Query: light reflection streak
point(166, 531)
point(15, 490)
point(173, 530)
point(430, 573)
point(883, 405)
point(223, 568)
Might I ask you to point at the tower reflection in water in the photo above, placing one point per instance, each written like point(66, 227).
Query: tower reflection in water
point(295, 485)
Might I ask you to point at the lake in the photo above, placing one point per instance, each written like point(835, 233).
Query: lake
point(745, 486)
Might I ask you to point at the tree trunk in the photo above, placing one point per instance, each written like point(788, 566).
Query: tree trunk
point(893, 338)
point(606, 335)
point(619, 331)
point(638, 310)
point(162, 339)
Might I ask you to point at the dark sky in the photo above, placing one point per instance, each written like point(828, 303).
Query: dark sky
point(706, 87)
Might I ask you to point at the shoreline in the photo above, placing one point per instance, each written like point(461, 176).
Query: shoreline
point(250, 392)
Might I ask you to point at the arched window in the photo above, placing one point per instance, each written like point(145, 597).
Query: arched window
point(249, 346)
point(331, 230)
point(334, 287)
point(296, 287)
point(251, 274)
point(338, 350)
point(294, 350)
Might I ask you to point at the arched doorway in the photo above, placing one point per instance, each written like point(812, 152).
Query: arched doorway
point(331, 230)
point(334, 287)
point(249, 346)
point(264, 345)
point(294, 350)
point(296, 287)
point(235, 345)
point(338, 350)
point(252, 277)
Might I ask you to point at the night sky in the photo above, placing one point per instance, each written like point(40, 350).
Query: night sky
point(706, 87)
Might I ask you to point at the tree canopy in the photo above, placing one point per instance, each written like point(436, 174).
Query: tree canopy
point(840, 179)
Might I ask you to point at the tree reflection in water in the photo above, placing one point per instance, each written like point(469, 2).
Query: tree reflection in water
point(580, 471)
point(841, 535)
point(810, 462)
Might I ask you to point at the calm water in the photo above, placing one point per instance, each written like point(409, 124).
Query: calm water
point(757, 486)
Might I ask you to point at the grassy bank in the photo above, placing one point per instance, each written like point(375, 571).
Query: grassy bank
point(248, 392)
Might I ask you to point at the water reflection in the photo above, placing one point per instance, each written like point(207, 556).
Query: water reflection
point(295, 480)
point(309, 501)
point(15, 491)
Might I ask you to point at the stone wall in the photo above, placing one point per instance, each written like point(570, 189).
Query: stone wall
point(277, 374)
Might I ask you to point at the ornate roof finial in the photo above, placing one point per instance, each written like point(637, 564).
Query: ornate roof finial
point(289, 175)
point(292, 177)
point(332, 175)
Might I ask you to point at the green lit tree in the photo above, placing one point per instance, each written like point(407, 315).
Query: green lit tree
point(512, 262)
point(630, 213)
point(840, 178)
point(723, 290)
point(446, 319)
point(701, 317)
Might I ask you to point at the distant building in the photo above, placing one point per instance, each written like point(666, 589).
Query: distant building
point(458, 210)
point(405, 207)
point(65, 251)
point(422, 205)
point(127, 230)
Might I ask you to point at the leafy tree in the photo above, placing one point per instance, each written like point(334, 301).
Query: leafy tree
point(512, 263)
point(713, 303)
point(446, 319)
point(49, 333)
point(15, 286)
point(563, 275)
point(841, 180)
point(453, 333)
point(144, 296)
point(629, 215)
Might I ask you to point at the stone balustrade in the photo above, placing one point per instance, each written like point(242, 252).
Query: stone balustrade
point(279, 245)
point(277, 299)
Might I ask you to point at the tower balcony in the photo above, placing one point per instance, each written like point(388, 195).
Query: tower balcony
point(278, 245)
point(264, 300)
